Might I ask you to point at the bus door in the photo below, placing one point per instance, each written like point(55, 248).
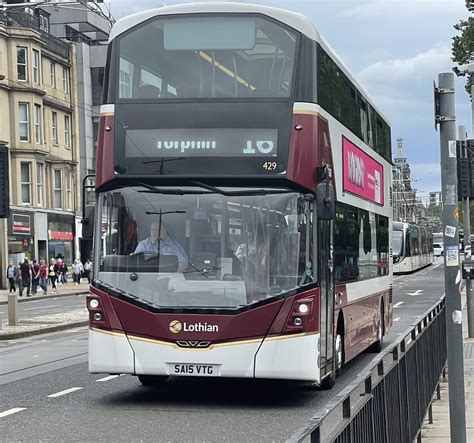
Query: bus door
point(325, 246)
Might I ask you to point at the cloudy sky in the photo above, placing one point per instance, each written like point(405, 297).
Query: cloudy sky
point(395, 48)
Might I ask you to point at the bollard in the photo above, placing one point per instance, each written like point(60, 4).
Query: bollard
point(12, 310)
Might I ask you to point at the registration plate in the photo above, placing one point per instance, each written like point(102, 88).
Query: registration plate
point(199, 370)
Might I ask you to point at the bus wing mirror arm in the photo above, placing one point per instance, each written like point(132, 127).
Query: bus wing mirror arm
point(88, 212)
point(325, 201)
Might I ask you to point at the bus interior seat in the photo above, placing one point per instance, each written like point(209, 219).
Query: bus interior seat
point(148, 91)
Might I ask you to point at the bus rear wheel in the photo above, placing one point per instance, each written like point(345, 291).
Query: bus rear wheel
point(378, 345)
point(152, 380)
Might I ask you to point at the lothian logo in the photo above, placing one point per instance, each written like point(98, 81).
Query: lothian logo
point(176, 326)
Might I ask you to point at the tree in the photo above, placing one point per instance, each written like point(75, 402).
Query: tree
point(462, 49)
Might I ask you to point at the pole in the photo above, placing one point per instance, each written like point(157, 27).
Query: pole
point(467, 236)
point(447, 135)
point(469, 295)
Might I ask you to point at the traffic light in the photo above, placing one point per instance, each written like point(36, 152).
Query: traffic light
point(465, 170)
point(4, 188)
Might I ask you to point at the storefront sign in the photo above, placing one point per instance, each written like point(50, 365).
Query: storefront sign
point(363, 175)
point(58, 235)
point(21, 224)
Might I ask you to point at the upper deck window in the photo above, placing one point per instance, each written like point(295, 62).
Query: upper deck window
point(206, 57)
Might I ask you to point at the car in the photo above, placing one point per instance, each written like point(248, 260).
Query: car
point(438, 249)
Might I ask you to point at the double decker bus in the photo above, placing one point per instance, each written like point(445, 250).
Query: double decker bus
point(243, 216)
point(412, 247)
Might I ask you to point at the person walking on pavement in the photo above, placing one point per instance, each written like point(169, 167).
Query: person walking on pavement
point(26, 277)
point(64, 270)
point(52, 274)
point(77, 270)
point(43, 277)
point(35, 277)
point(87, 270)
point(11, 274)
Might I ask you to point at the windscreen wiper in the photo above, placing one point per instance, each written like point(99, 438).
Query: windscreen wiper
point(236, 193)
point(155, 190)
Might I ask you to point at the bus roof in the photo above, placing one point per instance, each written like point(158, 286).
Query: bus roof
point(296, 21)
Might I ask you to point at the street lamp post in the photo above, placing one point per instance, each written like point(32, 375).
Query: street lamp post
point(462, 71)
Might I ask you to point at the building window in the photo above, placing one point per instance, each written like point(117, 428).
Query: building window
point(36, 65)
point(23, 122)
point(69, 191)
point(66, 80)
point(44, 23)
point(39, 183)
point(54, 127)
point(37, 124)
point(58, 189)
point(25, 183)
point(52, 70)
point(67, 131)
point(22, 63)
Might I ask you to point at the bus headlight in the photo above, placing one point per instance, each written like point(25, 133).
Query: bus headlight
point(97, 316)
point(297, 321)
point(303, 308)
point(94, 303)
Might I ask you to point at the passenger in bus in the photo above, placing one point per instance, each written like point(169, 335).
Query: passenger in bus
point(159, 242)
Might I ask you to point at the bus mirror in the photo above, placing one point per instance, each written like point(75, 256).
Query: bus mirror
point(325, 202)
point(88, 222)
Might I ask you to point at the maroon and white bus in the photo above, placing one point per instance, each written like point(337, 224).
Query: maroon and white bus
point(243, 216)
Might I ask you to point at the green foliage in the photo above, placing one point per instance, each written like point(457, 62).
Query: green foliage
point(462, 49)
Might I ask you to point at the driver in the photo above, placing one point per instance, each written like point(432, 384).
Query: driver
point(160, 242)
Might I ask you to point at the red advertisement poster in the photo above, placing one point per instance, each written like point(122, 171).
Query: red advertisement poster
point(363, 175)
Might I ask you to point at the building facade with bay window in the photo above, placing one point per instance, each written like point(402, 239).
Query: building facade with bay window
point(38, 124)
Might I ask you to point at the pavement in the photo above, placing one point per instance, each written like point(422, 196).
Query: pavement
point(33, 325)
point(439, 430)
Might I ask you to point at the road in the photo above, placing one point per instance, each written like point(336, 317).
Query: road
point(56, 398)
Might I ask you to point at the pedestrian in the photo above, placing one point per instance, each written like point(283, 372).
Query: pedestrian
point(88, 269)
point(11, 274)
point(59, 276)
point(52, 274)
point(64, 270)
point(26, 277)
point(43, 277)
point(35, 277)
point(77, 270)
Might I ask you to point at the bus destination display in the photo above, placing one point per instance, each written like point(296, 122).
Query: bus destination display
point(208, 142)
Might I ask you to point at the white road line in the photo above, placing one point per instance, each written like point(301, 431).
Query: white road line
point(11, 411)
point(110, 377)
point(396, 319)
point(67, 391)
point(397, 305)
point(42, 307)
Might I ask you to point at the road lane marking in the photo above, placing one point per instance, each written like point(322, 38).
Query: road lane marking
point(417, 292)
point(42, 307)
point(396, 319)
point(11, 411)
point(67, 391)
point(110, 377)
point(397, 305)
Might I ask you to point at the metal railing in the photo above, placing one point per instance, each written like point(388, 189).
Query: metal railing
point(389, 400)
point(21, 19)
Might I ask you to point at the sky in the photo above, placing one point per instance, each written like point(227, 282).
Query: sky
point(395, 49)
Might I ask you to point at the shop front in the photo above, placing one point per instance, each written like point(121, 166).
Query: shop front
point(20, 236)
point(61, 230)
